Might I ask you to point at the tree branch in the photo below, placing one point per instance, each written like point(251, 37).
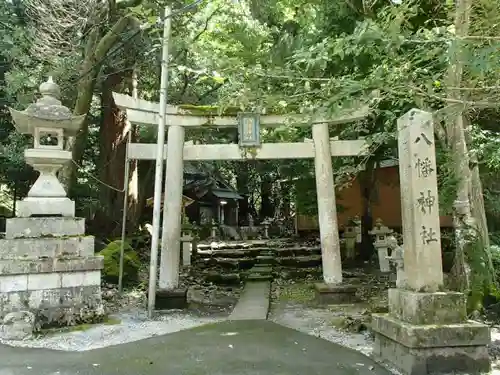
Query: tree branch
point(206, 93)
point(108, 40)
point(124, 4)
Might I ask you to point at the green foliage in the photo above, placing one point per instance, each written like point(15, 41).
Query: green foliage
point(482, 282)
point(131, 263)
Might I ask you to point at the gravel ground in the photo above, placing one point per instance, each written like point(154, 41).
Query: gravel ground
point(318, 322)
point(127, 327)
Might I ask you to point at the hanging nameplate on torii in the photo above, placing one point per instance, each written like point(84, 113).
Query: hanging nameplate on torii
point(248, 129)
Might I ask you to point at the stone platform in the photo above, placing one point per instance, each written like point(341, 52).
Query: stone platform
point(426, 333)
point(48, 267)
point(171, 299)
point(335, 294)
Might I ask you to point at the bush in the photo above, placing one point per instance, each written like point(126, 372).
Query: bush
point(131, 263)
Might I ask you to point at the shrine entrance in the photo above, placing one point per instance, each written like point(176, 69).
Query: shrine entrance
point(321, 148)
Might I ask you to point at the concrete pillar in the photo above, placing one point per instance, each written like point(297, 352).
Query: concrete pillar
point(327, 209)
point(172, 209)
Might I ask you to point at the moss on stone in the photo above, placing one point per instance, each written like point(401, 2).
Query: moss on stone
point(298, 293)
point(131, 263)
point(110, 321)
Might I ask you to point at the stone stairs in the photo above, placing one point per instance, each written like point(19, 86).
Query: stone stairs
point(263, 267)
point(257, 260)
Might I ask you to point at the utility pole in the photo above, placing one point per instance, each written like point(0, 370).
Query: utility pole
point(153, 267)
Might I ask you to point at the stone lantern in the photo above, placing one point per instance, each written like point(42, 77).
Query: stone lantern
point(352, 235)
point(50, 274)
point(381, 243)
point(49, 122)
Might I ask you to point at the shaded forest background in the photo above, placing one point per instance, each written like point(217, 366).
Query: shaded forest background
point(282, 55)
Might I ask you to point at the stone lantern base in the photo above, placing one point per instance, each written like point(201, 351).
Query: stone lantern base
point(426, 333)
point(48, 268)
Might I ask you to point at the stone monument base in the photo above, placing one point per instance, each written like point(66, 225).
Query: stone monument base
point(168, 299)
point(426, 333)
point(335, 293)
point(56, 278)
point(45, 207)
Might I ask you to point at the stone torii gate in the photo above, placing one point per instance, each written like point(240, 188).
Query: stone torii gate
point(322, 148)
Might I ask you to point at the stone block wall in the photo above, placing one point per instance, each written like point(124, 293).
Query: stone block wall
point(48, 267)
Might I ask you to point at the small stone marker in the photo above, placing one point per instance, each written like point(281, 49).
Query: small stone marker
point(380, 231)
point(350, 237)
point(426, 330)
point(266, 223)
point(214, 229)
point(186, 241)
point(397, 257)
point(358, 229)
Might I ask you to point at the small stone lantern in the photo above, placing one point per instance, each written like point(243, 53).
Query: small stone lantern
point(380, 231)
point(49, 122)
point(350, 239)
point(358, 229)
point(266, 223)
point(397, 257)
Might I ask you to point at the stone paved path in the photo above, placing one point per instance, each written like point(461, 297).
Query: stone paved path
point(254, 302)
point(226, 348)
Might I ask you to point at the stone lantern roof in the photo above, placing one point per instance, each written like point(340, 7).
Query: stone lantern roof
point(47, 112)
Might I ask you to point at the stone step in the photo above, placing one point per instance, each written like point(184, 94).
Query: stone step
point(261, 269)
point(47, 247)
point(253, 252)
point(300, 261)
point(265, 259)
point(297, 251)
point(226, 263)
point(236, 253)
point(45, 265)
point(259, 277)
point(223, 278)
point(48, 227)
point(232, 245)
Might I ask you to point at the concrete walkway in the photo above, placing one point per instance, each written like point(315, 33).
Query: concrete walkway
point(227, 348)
point(254, 302)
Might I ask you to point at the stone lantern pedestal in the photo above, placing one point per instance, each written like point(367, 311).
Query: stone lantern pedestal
point(47, 263)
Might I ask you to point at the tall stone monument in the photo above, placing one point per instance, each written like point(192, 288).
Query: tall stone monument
point(47, 264)
point(426, 329)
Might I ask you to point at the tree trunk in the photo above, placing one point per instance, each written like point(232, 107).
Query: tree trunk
point(266, 197)
point(96, 49)
point(471, 231)
point(112, 146)
point(477, 202)
point(242, 181)
point(460, 273)
point(367, 185)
